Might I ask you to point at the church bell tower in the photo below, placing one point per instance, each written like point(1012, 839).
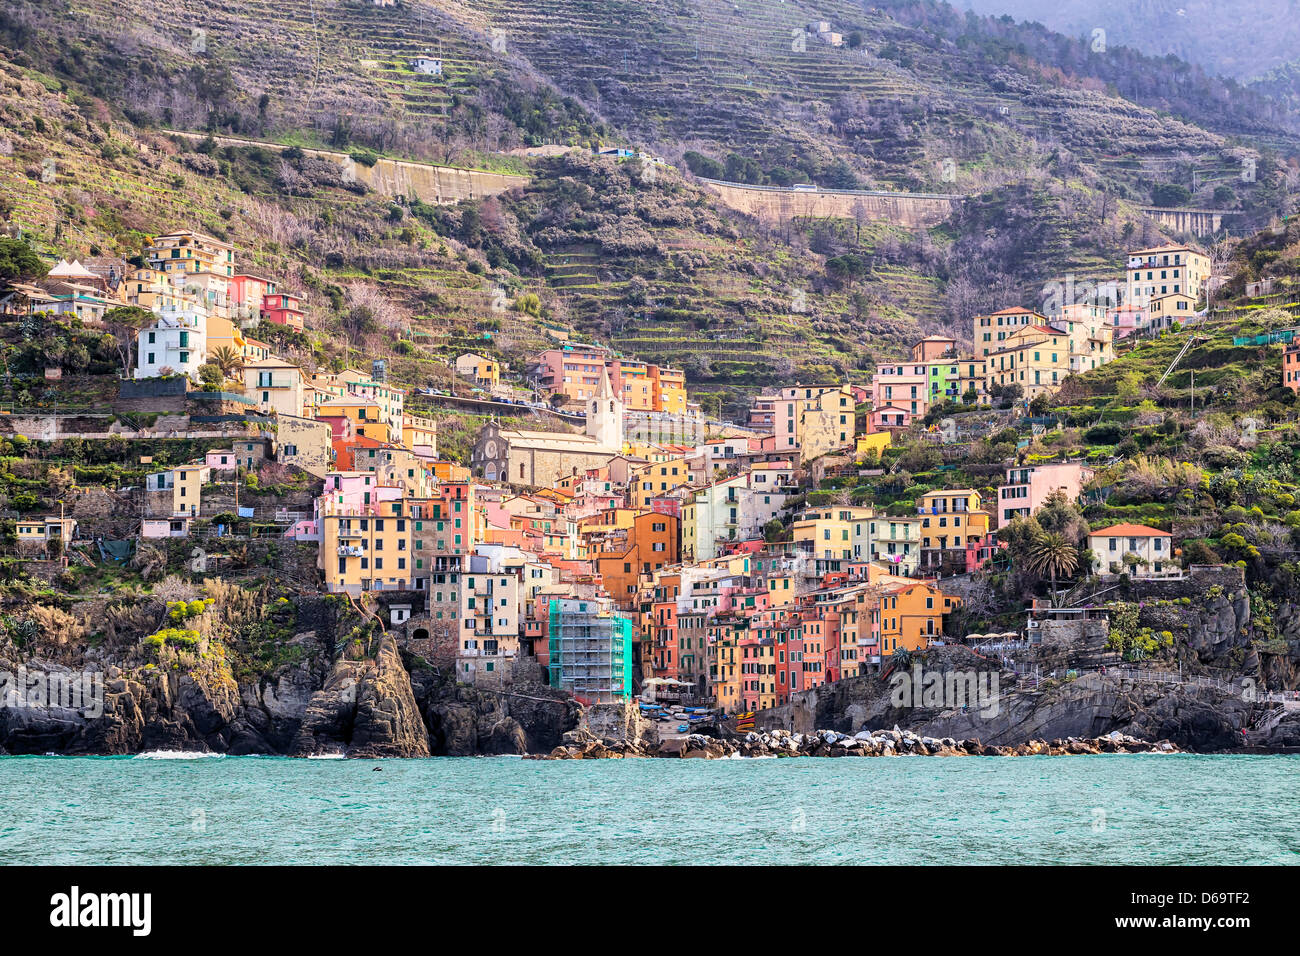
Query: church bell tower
point(605, 415)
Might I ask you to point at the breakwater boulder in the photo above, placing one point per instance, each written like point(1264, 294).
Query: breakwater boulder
point(580, 745)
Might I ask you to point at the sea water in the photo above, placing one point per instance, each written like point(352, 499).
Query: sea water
point(1143, 808)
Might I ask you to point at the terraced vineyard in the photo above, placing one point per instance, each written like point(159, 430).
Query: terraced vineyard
point(1056, 166)
point(320, 72)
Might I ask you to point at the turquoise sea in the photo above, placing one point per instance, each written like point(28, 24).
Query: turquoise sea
point(1148, 809)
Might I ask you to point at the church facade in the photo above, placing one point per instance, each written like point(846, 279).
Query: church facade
point(540, 459)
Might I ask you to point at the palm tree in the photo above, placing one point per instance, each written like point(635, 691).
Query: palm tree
point(1052, 554)
point(227, 359)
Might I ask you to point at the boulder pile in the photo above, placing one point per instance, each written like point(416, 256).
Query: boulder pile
point(581, 745)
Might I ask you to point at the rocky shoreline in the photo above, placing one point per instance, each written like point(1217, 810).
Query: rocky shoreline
point(583, 745)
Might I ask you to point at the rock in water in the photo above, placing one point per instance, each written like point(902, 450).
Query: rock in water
point(507, 737)
point(366, 706)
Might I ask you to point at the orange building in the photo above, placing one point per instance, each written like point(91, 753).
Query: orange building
point(650, 544)
point(909, 615)
point(1291, 367)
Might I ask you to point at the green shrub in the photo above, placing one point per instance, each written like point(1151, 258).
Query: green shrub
point(179, 611)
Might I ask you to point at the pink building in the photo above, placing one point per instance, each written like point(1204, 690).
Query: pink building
point(1127, 319)
point(1291, 367)
point(223, 460)
point(1027, 487)
point(907, 386)
point(666, 505)
point(573, 371)
point(979, 550)
point(247, 291)
point(283, 309)
point(934, 347)
point(887, 417)
point(354, 492)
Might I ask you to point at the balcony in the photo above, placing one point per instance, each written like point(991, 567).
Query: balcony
point(350, 551)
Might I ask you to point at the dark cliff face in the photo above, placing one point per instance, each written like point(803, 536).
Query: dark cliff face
point(523, 716)
point(1192, 716)
point(357, 697)
point(1283, 670)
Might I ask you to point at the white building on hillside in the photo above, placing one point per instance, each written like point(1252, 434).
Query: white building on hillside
point(174, 344)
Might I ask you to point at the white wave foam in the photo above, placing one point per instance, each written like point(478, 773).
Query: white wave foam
point(176, 755)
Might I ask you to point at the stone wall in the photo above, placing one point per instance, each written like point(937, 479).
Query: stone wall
point(145, 405)
point(132, 388)
point(1199, 222)
point(914, 210)
point(391, 177)
point(544, 468)
point(620, 721)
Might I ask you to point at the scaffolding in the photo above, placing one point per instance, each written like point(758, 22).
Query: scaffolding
point(590, 650)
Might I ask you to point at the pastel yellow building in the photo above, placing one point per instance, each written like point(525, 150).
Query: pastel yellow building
point(896, 542)
point(185, 484)
point(950, 520)
point(1165, 310)
point(46, 529)
point(366, 551)
point(367, 417)
point(670, 390)
point(1037, 358)
point(275, 385)
point(421, 433)
point(873, 445)
point(191, 252)
point(834, 532)
point(782, 589)
point(479, 369)
point(758, 674)
point(1165, 270)
point(724, 667)
point(224, 333)
point(992, 331)
point(973, 375)
point(655, 478)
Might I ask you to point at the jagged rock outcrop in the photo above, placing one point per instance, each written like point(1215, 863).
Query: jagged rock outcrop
point(360, 705)
point(1284, 733)
point(160, 711)
point(516, 717)
point(366, 709)
point(1191, 716)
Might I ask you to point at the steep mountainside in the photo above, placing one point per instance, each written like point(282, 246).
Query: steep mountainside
point(1260, 34)
point(1030, 125)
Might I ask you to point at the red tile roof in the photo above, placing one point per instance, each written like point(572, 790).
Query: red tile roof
point(1130, 531)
